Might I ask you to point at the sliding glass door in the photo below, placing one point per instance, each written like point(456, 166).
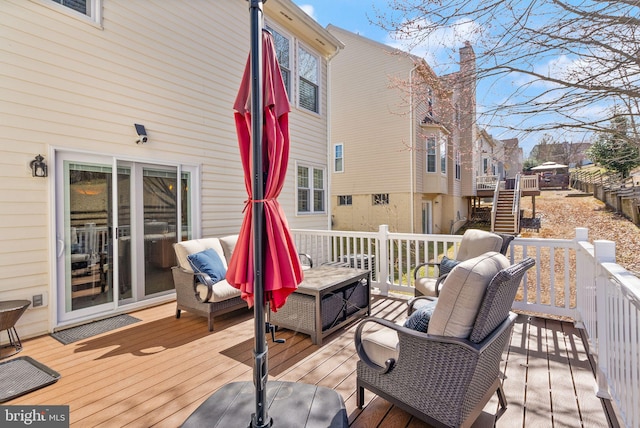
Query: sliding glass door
point(116, 233)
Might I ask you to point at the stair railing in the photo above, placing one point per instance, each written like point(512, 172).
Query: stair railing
point(494, 205)
point(515, 209)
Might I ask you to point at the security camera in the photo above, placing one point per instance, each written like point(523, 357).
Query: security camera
point(142, 134)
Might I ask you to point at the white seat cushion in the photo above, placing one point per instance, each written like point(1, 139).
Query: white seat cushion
point(427, 286)
point(381, 345)
point(462, 293)
point(221, 291)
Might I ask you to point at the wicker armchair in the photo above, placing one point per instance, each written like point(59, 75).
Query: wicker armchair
point(443, 380)
point(474, 243)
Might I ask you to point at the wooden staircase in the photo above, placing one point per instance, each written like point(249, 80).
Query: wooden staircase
point(505, 220)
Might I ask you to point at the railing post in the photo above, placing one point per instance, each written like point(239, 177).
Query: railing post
point(384, 259)
point(583, 276)
point(605, 252)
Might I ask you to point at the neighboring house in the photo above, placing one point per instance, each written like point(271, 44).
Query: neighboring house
point(513, 157)
point(95, 236)
point(489, 160)
point(402, 139)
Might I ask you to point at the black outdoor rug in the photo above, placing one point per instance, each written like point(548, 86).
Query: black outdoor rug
point(84, 331)
point(22, 375)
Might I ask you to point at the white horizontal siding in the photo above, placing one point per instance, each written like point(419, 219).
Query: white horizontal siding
point(370, 117)
point(171, 65)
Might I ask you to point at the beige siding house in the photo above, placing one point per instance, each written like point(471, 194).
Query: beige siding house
point(94, 237)
point(403, 139)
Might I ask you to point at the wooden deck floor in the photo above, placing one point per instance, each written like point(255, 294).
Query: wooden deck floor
point(156, 372)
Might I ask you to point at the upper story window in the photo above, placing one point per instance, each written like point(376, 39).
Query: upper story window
point(283, 52)
point(310, 187)
point(431, 154)
point(338, 158)
point(458, 165)
point(308, 82)
point(443, 156)
point(90, 8)
point(430, 103)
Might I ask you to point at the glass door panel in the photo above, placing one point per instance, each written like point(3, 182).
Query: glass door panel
point(84, 233)
point(124, 244)
point(160, 213)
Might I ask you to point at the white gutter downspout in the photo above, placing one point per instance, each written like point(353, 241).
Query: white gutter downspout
point(412, 129)
point(329, 140)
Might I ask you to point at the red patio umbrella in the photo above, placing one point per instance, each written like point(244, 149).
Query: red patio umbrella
point(281, 270)
point(265, 264)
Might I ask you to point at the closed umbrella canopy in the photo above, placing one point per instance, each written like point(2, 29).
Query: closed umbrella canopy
point(282, 271)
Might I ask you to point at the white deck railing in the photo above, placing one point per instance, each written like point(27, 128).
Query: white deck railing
point(571, 278)
point(529, 183)
point(487, 182)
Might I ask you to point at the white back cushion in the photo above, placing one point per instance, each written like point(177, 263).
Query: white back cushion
point(462, 293)
point(192, 246)
point(476, 242)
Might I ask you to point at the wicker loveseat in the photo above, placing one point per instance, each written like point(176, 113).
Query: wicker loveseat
point(192, 292)
point(446, 375)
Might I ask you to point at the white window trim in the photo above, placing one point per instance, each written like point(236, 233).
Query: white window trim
point(292, 57)
point(311, 167)
point(442, 157)
point(335, 158)
point(95, 7)
point(435, 154)
point(313, 53)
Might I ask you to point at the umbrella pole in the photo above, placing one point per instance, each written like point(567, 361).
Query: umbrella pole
point(260, 370)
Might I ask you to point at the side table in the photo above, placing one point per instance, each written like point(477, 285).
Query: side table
point(10, 313)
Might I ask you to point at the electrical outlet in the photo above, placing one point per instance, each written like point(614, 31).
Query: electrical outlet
point(37, 300)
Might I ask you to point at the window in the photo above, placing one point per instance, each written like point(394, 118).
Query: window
point(458, 165)
point(90, 8)
point(283, 52)
point(345, 200)
point(431, 154)
point(308, 80)
point(430, 103)
point(310, 190)
point(338, 160)
point(443, 156)
point(380, 199)
point(485, 166)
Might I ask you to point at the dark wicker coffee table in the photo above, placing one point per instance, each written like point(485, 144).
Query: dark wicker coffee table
point(327, 299)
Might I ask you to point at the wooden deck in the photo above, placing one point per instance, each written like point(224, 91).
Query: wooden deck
point(156, 372)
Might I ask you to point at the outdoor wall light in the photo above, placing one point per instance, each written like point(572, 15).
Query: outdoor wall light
point(142, 134)
point(38, 167)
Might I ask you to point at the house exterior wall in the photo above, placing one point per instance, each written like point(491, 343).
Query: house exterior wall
point(72, 84)
point(377, 115)
point(369, 117)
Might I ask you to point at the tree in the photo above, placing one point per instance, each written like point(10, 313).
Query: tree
point(614, 151)
point(565, 152)
point(578, 63)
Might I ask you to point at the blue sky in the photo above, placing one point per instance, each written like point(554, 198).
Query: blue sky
point(355, 15)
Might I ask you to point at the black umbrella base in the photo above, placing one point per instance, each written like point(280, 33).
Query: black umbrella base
point(291, 405)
